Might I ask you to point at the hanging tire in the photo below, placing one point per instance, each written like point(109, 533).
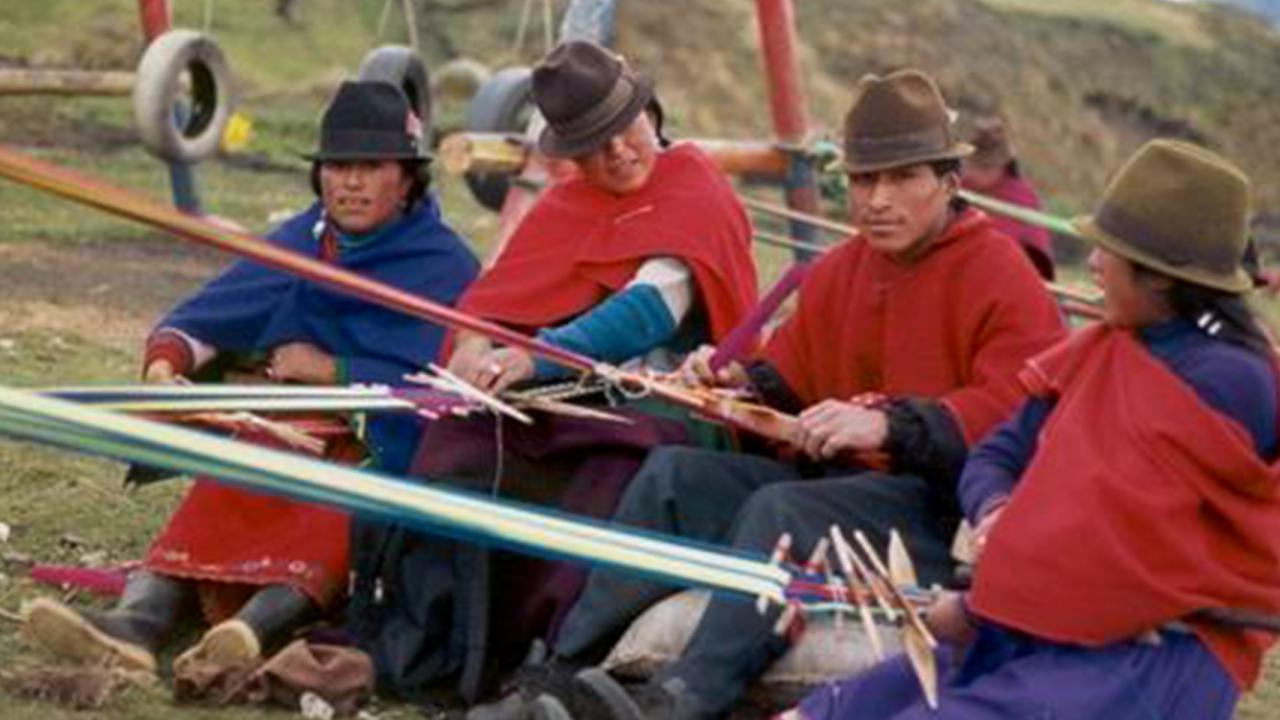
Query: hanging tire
point(460, 78)
point(171, 128)
point(504, 103)
point(404, 68)
point(594, 20)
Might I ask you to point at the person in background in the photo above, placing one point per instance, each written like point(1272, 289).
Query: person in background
point(993, 170)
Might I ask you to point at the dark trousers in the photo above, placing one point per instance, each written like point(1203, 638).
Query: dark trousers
point(748, 502)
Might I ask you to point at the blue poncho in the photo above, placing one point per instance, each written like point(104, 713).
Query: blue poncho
point(251, 308)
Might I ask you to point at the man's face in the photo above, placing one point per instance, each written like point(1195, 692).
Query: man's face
point(902, 209)
point(361, 195)
point(623, 164)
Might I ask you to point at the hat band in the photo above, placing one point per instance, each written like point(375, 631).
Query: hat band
point(869, 150)
point(589, 122)
point(1138, 235)
point(369, 143)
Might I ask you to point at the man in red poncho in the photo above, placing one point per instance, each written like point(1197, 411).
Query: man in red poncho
point(639, 257)
point(902, 352)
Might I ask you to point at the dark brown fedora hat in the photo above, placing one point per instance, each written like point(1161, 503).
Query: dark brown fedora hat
point(898, 119)
point(587, 95)
point(1180, 210)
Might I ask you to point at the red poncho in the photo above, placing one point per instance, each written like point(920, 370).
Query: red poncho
point(1142, 504)
point(580, 244)
point(955, 325)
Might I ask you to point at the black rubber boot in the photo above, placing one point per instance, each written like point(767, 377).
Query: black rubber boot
point(268, 617)
point(128, 635)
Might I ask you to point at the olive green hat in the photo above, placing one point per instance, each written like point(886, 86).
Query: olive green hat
point(898, 119)
point(1180, 210)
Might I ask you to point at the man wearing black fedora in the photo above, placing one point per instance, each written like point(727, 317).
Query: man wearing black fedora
point(901, 353)
point(256, 566)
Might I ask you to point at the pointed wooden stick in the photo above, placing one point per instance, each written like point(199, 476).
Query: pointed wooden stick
point(912, 618)
point(851, 577)
point(902, 572)
point(449, 382)
point(781, 551)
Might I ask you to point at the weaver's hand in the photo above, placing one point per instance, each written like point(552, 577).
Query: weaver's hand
point(834, 427)
point(500, 368)
point(469, 353)
point(160, 372)
point(983, 531)
point(301, 362)
point(948, 619)
point(696, 370)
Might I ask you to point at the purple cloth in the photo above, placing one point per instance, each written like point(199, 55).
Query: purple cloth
point(575, 465)
point(1007, 675)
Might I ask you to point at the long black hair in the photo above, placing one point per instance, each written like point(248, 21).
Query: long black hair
point(1217, 313)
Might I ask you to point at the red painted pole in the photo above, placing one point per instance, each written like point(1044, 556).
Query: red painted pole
point(157, 18)
point(787, 103)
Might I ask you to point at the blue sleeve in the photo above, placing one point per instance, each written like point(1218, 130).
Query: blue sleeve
point(1238, 384)
point(628, 324)
point(995, 465)
point(232, 311)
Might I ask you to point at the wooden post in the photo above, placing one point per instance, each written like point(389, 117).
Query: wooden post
point(26, 81)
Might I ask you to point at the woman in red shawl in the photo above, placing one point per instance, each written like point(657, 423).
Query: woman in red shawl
point(1126, 517)
point(639, 257)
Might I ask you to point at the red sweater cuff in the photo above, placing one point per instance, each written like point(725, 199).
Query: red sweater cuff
point(169, 345)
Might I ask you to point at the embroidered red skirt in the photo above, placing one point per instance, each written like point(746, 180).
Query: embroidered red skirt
point(235, 541)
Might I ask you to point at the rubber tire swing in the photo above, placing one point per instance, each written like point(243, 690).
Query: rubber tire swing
point(404, 68)
point(503, 104)
point(170, 128)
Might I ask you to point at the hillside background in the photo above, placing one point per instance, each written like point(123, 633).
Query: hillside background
point(1084, 81)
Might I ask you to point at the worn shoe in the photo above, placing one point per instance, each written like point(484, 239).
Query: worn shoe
point(71, 635)
point(515, 707)
point(271, 614)
point(600, 697)
point(129, 635)
point(230, 643)
point(539, 677)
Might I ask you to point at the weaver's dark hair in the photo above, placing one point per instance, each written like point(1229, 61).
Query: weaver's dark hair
point(1216, 313)
point(941, 168)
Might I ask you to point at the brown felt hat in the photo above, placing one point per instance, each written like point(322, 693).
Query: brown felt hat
point(991, 144)
point(898, 119)
point(1180, 210)
point(587, 95)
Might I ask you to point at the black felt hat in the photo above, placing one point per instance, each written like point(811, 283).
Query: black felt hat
point(369, 120)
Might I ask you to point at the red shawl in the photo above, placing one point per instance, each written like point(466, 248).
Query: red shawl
point(957, 325)
point(1141, 505)
point(580, 244)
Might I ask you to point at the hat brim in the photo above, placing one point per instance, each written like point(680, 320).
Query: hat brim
point(958, 151)
point(552, 144)
point(1238, 282)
